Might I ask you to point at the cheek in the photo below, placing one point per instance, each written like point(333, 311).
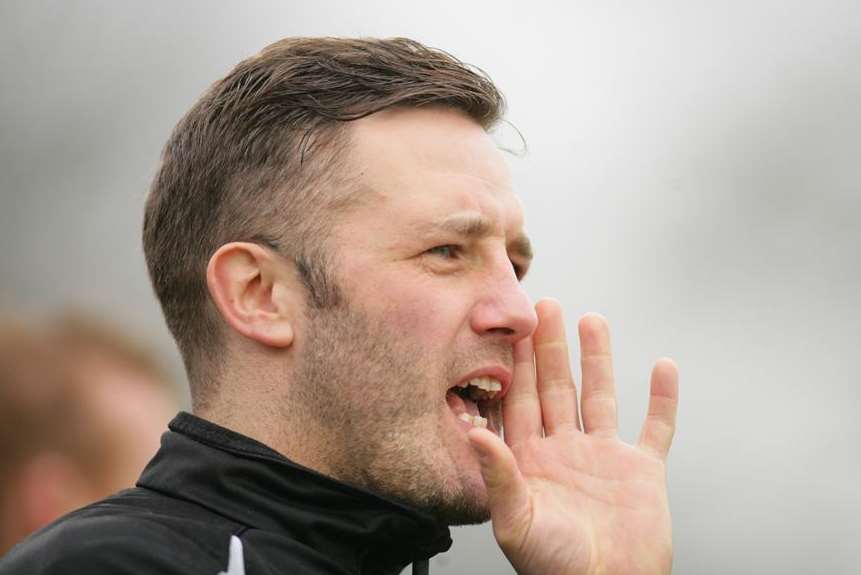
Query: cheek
point(431, 316)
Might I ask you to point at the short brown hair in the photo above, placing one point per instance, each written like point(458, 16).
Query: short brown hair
point(261, 157)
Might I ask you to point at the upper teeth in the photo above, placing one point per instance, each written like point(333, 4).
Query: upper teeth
point(485, 383)
point(482, 387)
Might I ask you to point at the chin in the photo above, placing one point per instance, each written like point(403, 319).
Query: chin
point(464, 502)
point(463, 511)
point(454, 494)
point(458, 500)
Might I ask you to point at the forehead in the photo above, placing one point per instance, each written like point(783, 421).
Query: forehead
point(424, 165)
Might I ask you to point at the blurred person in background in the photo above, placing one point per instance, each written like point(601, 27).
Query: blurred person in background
point(82, 407)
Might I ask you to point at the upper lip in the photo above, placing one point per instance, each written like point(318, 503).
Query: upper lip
point(497, 372)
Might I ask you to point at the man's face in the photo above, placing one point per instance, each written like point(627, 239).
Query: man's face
point(428, 267)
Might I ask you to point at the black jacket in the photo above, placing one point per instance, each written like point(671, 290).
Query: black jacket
point(207, 484)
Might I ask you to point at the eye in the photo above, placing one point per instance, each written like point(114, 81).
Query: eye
point(448, 251)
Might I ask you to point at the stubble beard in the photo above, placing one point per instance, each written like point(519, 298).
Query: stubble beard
point(368, 387)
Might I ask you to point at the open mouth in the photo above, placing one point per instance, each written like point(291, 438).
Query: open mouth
point(475, 401)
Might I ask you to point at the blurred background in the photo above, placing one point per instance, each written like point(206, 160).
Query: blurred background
point(693, 172)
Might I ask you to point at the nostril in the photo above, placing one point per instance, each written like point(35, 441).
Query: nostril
point(501, 331)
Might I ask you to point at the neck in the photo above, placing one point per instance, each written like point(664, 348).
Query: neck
point(280, 426)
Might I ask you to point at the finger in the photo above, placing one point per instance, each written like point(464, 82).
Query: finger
point(556, 388)
point(598, 394)
point(507, 491)
point(660, 424)
point(521, 410)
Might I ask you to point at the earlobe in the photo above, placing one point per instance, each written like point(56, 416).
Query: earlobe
point(245, 281)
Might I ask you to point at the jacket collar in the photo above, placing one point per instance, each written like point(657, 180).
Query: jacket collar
point(242, 479)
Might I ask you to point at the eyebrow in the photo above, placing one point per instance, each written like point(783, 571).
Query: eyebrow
point(475, 227)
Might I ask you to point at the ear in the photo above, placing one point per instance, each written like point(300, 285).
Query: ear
point(250, 286)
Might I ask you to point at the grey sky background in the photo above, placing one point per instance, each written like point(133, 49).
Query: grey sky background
point(693, 172)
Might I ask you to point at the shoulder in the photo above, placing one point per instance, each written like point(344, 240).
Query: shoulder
point(130, 533)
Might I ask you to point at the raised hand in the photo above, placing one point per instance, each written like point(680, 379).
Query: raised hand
point(572, 499)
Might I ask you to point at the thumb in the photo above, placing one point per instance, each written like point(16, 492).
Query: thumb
point(507, 491)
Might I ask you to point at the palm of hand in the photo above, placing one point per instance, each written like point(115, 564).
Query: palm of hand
point(568, 501)
point(608, 496)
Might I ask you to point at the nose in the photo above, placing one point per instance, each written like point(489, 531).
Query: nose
point(503, 308)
